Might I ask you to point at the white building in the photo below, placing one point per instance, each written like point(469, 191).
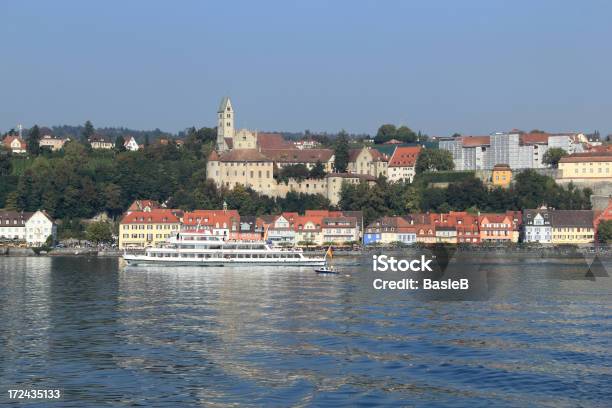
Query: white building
point(12, 225)
point(518, 150)
point(15, 144)
point(53, 143)
point(402, 163)
point(281, 232)
point(34, 228)
point(131, 144)
point(537, 226)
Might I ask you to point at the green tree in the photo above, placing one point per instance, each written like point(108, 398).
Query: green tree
point(604, 231)
point(33, 141)
point(318, 171)
point(434, 160)
point(341, 152)
point(385, 133)
point(553, 155)
point(405, 134)
point(120, 143)
point(87, 133)
point(6, 164)
point(99, 232)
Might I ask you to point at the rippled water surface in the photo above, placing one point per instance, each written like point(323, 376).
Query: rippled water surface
point(288, 337)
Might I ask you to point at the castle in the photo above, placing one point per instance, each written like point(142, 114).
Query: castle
point(252, 158)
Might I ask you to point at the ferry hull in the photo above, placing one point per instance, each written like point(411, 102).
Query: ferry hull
point(136, 260)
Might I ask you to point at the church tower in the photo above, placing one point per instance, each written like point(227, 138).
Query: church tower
point(225, 123)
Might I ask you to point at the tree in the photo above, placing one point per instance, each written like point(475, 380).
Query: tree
point(33, 141)
point(5, 161)
point(99, 232)
point(434, 160)
point(604, 231)
point(553, 155)
point(405, 134)
point(341, 152)
point(120, 144)
point(87, 133)
point(318, 171)
point(385, 133)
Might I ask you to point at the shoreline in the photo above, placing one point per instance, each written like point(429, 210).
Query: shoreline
point(508, 252)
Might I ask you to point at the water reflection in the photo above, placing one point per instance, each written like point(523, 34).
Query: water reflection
point(189, 337)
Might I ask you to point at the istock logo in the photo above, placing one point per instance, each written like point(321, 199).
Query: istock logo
point(384, 263)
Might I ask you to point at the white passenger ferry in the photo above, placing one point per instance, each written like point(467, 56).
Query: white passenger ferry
point(198, 249)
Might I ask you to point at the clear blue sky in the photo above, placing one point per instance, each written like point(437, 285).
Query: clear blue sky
point(472, 67)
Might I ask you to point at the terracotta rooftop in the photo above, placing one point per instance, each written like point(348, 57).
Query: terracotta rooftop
point(156, 216)
point(587, 157)
point(473, 141)
point(243, 155)
point(405, 156)
point(272, 141)
point(534, 138)
point(298, 156)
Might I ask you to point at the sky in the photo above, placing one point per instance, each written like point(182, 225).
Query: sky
point(472, 67)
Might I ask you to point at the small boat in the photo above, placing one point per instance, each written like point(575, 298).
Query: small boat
point(327, 269)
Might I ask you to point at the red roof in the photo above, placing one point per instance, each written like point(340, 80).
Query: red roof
point(587, 157)
point(211, 218)
point(294, 155)
point(405, 156)
point(473, 141)
point(9, 139)
point(156, 216)
point(272, 141)
point(534, 138)
point(140, 205)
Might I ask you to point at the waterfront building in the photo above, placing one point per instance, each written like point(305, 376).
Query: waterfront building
point(501, 175)
point(52, 143)
point(402, 163)
point(38, 228)
point(250, 228)
point(595, 166)
point(224, 223)
point(12, 225)
point(99, 142)
point(131, 144)
point(466, 225)
point(387, 230)
point(141, 229)
point(340, 229)
point(15, 144)
point(280, 232)
point(603, 215)
point(537, 226)
point(573, 227)
point(500, 227)
point(34, 228)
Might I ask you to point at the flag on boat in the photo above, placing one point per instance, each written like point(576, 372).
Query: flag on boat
point(329, 252)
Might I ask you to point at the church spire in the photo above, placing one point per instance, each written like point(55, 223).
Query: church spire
point(225, 123)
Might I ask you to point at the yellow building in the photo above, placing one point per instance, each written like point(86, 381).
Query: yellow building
point(596, 166)
point(572, 227)
point(141, 229)
point(502, 175)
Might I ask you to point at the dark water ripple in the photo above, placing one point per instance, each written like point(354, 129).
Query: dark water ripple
point(222, 337)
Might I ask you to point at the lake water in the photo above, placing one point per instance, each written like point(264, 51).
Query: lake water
point(175, 337)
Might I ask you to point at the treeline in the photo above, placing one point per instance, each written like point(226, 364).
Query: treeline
point(530, 190)
point(403, 134)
